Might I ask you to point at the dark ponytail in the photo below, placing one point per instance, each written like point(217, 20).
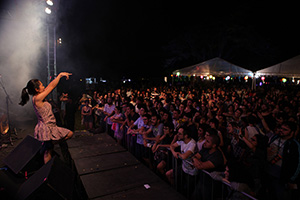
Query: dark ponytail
point(24, 97)
point(29, 90)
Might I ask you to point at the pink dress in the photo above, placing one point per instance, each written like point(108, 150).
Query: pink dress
point(46, 128)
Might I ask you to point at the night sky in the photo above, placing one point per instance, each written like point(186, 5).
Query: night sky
point(114, 38)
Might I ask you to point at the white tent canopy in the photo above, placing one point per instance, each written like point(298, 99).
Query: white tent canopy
point(289, 69)
point(215, 67)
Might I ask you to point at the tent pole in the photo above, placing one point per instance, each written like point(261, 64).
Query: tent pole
point(172, 79)
point(254, 81)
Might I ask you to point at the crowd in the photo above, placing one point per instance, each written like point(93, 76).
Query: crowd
point(248, 139)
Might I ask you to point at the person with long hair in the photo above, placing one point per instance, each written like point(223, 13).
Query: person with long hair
point(46, 129)
point(87, 113)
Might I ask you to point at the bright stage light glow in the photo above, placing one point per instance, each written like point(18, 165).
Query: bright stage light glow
point(49, 2)
point(24, 35)
point(48, 10)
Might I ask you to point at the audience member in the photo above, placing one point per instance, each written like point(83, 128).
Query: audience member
point(109, 110)
point(283, 162)
point(161, 148)
point(186, 172)
point(117, 119)
point(243, 119)
point(87, 114)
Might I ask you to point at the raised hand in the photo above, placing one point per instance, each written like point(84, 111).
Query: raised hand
point(66, 74)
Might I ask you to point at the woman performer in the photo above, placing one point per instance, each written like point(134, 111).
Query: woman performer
point(46, 129)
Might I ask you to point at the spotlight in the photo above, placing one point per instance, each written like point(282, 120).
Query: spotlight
point(49, 2)
point(48, 10)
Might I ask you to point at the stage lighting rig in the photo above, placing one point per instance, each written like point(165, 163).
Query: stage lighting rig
point(49, 2)
point(48, 10)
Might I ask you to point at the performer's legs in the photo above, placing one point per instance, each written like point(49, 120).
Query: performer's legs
point(47, 156)
point(46, 150)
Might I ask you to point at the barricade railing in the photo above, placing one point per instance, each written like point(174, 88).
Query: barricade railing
point(203, 186)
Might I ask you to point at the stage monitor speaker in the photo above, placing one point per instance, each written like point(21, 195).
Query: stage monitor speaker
point(52, 181)
point(26, 156)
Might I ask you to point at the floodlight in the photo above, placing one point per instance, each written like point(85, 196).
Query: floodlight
point(49, 2)
point(48, 10)
point(59, 41)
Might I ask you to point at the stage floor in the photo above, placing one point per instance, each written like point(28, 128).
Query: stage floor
point(104, 169)
point(108, 171)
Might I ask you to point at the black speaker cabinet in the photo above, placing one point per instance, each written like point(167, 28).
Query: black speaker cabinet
point(52, 181)
point(25, 157)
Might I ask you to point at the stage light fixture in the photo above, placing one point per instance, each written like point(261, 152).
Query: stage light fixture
point(48, 10)
point(59, 41)
point(49, 2)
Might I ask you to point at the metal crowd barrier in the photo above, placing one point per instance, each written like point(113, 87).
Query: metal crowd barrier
point(204, 186)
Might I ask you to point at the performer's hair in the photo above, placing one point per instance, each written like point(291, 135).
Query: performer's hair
point(29, 89)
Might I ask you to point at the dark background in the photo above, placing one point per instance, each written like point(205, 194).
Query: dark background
point(152, 38)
